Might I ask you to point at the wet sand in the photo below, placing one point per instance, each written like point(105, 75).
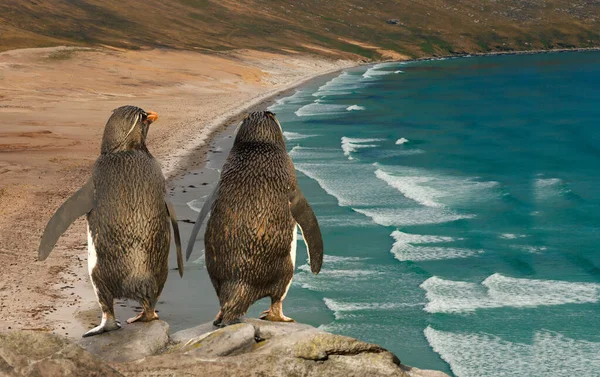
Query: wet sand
point(53, 107)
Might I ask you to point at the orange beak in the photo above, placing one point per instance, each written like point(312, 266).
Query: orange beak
point(152, 116)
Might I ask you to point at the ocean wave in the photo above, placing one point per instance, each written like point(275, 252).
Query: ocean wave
point(358, 273)
point(355, 108)
point(297, 98)
point(295, 136)
point(549, 188)
point(386, 65)
point(511, 236)
point(550, 354)
point(339, 259)
point(373, 72)
point(309, 154)
point(350, 145)
point(340, 308)
point(433, 189)
point(398, 71)
point(350, 221)
point(319, 109)
point(340, 181)
point(411, 216)
point(447, 296)
point(412, 188)
point(344, 84)
point(404, 248)
point(529, 248)
point(401, 141)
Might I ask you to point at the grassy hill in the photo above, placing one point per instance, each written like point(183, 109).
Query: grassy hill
point(327, 27)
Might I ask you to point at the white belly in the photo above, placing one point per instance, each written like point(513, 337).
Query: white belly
point(292, 256)
point(92, 256)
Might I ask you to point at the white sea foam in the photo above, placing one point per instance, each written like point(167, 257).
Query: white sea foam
point(398, 71)
point(432, 189)
point(549, 188)
point(405, 247)
point(340, 181)
point(401, 141)
point(373, 72)
point(319, 109)
point(550, 354)
point(340, 308)
point(511, 236)
point(295, 99)
point(545, 182)
point(530, 249)
point(447, 296)
point(410, 216)
point(342, 273)
point(344, 84)
point(355, 108)
point(309, 154)
point(350, 221)
point(386, 65)
point(412, 188)
point(338, 259)
point(295, 136)
point(350, 145)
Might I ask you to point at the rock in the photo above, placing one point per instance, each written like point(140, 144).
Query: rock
point(253, 348)
point(184, 336)
point(132, 342)
point(262, 348)
point(268, 329)
point(393, 21)
point(29, 353)
point(231, 340)
point(321, 345)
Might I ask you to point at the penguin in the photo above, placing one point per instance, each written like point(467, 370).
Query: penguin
point(255, 209)
point(128, 218)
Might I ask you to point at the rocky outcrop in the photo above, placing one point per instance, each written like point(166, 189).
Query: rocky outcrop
point(31, 353)
point(132, 342)
point(253, 348)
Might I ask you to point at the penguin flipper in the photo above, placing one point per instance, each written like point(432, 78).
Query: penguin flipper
point(173, 217)
point(203, 213)
point(76, 206)
point(309, 226)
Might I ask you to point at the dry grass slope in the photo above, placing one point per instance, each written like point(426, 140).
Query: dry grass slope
point(325, 27)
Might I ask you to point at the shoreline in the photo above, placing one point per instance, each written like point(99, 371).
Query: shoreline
point(176, 165)
point(178, 161)
point(194, 155)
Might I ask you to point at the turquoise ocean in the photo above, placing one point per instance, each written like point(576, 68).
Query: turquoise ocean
point(459, 201)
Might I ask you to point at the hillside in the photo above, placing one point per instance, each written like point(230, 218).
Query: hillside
point(368, 28)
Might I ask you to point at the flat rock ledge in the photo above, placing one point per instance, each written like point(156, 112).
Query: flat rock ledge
point(252, 348)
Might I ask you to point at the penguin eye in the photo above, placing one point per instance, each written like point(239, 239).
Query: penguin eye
point(144, 116)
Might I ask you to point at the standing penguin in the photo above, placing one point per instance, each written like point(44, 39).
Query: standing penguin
point(128, 220)
point(250, 240)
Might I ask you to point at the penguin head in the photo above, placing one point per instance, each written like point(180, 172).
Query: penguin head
point(260, 127)
point(127, 129)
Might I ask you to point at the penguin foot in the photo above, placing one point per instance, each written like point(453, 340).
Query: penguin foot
point(105, 326)
point(143, 317)
point(268, 316)
point(218, 318)
point(222, 324)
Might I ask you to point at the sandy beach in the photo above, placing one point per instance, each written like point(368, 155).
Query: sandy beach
point(54, 103)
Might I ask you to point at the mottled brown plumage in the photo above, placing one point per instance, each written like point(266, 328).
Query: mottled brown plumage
point(248, 239)
point(128, 219)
